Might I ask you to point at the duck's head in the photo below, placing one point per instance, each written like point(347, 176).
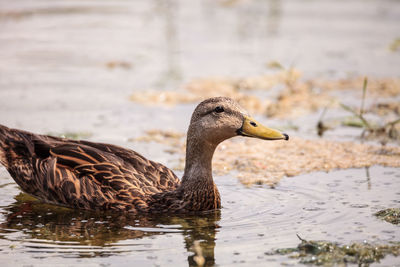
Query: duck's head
point(220, 118)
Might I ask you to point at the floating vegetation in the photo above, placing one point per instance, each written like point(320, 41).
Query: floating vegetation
point(238, 89)
point(331, 254)
point(389, 215)
point(267, 162)
point(199, 90)
point(390, 131)
point(382, 87)
point(295, 96)
point(296, 100)
point(384, 132)
point(72, 135)
point(386, 108)
point(118, 64)
point(235, 89)
point(164, 98)
point(172, 138)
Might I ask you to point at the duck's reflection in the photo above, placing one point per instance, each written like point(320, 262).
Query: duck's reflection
point(66, 226)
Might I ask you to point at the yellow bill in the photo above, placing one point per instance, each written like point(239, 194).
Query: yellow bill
point(252, 128)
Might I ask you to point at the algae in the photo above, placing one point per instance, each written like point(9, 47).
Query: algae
point(389, 215)
point(331, 254)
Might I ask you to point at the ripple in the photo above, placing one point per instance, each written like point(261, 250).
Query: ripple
point(154, 229)
point(359, 206)
point(252, 221)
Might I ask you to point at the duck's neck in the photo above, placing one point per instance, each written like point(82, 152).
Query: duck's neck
point(197, 181)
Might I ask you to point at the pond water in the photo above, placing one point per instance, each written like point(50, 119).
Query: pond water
point(337, 206)
point(70, 66)
point(60, 59)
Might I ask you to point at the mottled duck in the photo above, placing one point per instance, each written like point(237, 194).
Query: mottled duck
point(96, 176)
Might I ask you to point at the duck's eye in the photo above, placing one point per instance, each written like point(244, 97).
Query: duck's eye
point(219, 109)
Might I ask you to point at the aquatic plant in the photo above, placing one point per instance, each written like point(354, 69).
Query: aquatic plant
point(384, 133)
point(389, 215)
point(328, 253)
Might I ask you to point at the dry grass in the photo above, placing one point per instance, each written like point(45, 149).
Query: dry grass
point(386, 108)
point(167, 137)
point(267, 162)
point(237, 89)
point(297, 100)
point(295, 97)
point(261, 162)
point(382, 87)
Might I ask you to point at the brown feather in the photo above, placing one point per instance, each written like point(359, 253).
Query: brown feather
point(87, 175)
point(81, 174)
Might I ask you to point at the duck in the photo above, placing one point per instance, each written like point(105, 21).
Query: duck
point(85, 175)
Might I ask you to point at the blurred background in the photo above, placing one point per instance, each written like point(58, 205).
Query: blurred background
point(130, 73)
point(73, 65)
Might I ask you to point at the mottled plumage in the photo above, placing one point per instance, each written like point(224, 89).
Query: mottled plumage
point(87, 175)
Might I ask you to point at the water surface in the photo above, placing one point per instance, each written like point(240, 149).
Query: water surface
point(71, 66)
point(336, 206)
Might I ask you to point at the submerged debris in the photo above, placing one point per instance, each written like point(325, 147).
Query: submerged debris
point(330, 254)
point(389, 215)
point(267, 162)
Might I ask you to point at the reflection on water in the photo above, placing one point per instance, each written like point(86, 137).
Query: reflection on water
point(54, 64)
point(337, 207)
point(56, 230)
point(62, 50)
point(173, 69)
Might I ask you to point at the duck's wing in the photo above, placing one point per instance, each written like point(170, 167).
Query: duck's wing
point(82, 174)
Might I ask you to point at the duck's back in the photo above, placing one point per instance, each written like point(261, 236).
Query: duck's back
point(82, 174)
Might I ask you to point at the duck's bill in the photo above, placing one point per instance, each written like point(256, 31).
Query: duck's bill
point(252, 128)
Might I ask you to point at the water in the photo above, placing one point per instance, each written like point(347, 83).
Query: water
point(55, 55)
point(336, 206)
point(71, 66)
